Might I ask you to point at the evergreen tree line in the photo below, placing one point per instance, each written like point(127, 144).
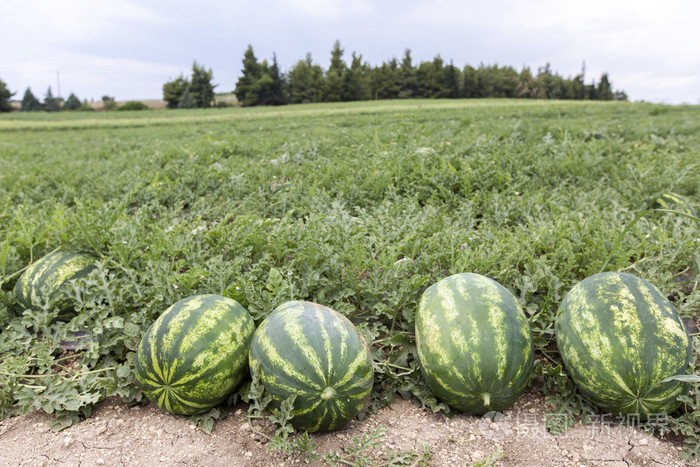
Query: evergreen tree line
point(31, 104)
point(261, 83)
point(51, 104)
point(196, 92)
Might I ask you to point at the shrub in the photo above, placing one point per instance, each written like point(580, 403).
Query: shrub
point(134, 105)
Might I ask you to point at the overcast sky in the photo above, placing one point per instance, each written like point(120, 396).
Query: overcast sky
point(129, 48)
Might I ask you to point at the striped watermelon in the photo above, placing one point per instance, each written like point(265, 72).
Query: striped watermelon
point(195, 354)
point(474, 343)
point(315, 353)
point(43, 279)
point(676, 202)
point(619, 337)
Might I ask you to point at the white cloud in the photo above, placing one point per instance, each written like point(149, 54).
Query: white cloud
point(91, 76)
point(326, 10)
point(75, 21)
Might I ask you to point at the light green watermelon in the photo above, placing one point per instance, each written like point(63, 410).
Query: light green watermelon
point(316, 354)
point(474, 343)
point(195, 354)
point(619, 337)
point(43, 279)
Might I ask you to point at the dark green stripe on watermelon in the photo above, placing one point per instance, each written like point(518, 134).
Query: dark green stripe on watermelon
point(316, 354)
point(474, 343)
point(195, 354)
point(44, 278)
point(619, 337)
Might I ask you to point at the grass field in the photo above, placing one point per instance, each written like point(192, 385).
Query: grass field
point(357, 206)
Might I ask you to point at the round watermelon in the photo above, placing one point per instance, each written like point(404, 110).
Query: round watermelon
point(195, 354)
point(314, 353)
point(474, 343)
point(42, 280)
point(619, 338)
point(676, 202)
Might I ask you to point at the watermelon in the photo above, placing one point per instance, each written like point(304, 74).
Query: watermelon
point(309, 351)
point(42, 280)
point(195, 354)
point(619, 338)
point(474, 343)
point(675, 202)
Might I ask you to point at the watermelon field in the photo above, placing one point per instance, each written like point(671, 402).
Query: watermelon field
point(359, 207)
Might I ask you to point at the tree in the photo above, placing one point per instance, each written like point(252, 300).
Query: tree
point(385, 81)
point(275, 87)
point(29, 102)
point(261, 84)
point(173, 90)
point(187, 100)
point(52, 104)
point(450, 81)
point(407, 76)
point(577, 89)
point(108, 103)
point(545, 83)
point(72, 103)
point(201, 86)
point(469, 82)
point(305, 82)
point(251, 72)
point(430, 79)
point(356, 80)
point(5, 96)
point(333, 86)
point(604, 91)
point(620, 96)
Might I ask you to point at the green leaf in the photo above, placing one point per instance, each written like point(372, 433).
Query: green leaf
point(682, 378)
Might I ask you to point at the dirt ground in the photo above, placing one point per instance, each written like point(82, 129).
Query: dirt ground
point(143, 435)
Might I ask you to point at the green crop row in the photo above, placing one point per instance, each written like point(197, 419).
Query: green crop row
point(358, 207)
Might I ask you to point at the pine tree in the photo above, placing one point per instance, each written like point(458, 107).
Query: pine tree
point(173, 90)
point(450, 81)
point(201, 87)
point(277, 94)
point(251, 72)
point(187, 100)
point(407, 76)
point(469, 82)
point(545, 83)
point(29, 102)
point(525, 83)
point(333, 86)
point(604, 91)
point(356, 81)
point(430, 79)
point(5, 96)
point(51, 104)
point(72, 103)
point(385, 81)
point(305, 82)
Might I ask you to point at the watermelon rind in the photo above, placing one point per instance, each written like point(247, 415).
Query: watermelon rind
point(195, 354)
point(619, 338)
point(310, 351)
point(474, 343)
point(41, 282)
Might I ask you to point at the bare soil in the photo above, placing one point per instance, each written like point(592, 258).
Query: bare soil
point(143, 435)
